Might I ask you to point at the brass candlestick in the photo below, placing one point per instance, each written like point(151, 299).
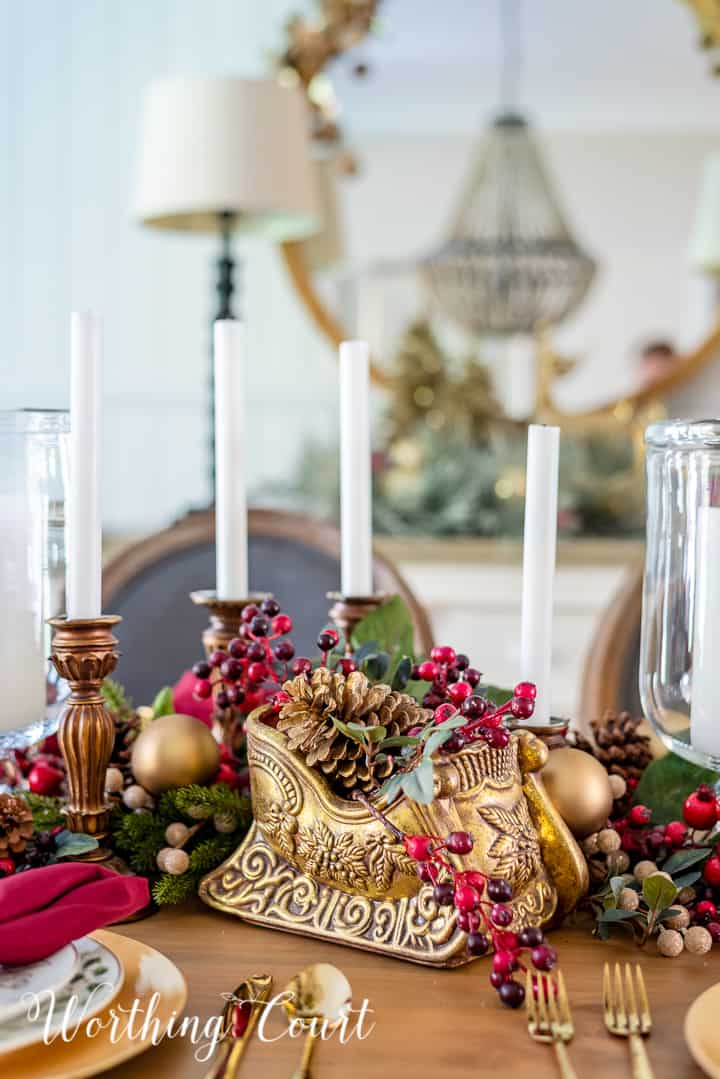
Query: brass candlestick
point(225, 617)
point(553, 734)
point(84, 652)
point(347, 611)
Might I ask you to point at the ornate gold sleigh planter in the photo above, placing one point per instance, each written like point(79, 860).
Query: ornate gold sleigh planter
point(316, 864)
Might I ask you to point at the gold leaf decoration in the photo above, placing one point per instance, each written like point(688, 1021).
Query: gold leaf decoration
point(516, 850)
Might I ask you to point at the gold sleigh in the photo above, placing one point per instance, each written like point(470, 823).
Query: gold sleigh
point(315, 864)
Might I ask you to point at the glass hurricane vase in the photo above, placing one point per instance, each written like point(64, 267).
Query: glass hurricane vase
point(680, 639)
point(33, 472)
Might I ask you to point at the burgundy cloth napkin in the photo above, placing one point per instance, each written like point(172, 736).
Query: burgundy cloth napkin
point(42, 910)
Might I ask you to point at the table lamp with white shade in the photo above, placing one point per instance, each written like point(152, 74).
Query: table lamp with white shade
point(225, 154)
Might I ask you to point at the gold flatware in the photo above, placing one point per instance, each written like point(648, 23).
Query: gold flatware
point(549, 1017)
point(623, 1016)
point(240, 1014)
point(318, 998)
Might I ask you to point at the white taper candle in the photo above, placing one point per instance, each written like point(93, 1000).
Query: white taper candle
point(355, 473)
point(231, 545)
point(704, 725)
point(539, 545)
point(84, 521)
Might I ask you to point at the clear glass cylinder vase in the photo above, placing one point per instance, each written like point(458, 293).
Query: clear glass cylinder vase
point(680, 638)
point(33, 480)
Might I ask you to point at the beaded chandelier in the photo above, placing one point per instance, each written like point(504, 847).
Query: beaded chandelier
point(511, 262)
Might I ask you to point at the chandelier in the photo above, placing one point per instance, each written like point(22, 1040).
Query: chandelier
point(511, 262)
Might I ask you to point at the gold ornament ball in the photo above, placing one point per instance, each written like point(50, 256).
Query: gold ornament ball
point(579, 788)
point(174, 751)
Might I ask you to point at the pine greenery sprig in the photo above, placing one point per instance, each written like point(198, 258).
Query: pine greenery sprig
point(208, 854)
point(46, 811)
point(140, 836)
point(198, 802)
point(116, 699)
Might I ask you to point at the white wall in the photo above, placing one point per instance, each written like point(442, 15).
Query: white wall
point(630, 200)
point(71, 78)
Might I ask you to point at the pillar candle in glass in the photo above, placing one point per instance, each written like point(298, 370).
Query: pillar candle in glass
point(84, 527)
point(539, 545)
point(355, 471)
point(231, 546)
point(680, 637)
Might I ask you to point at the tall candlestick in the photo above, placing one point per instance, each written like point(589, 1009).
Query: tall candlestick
point(704, 726)
point(84, 522)
point(231, 547)
point(539, 543)
point(355, 481)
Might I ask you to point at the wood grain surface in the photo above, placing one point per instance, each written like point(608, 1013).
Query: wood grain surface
point(427, 1023)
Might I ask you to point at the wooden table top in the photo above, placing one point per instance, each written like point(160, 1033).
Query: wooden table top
point(428, 1022)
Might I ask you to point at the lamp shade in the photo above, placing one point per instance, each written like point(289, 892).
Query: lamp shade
point(705, 239)
point(218, 145)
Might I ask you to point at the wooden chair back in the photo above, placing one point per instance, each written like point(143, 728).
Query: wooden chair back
point(294, 556)
point(610, 679)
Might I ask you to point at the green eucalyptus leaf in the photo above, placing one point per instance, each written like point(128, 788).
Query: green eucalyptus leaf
point(163, 705)
point(416, 689)
point(418, 784)
point(683, 859)
point(376, 734)
point(400, 740)
point(686, 880)
point(357, 734)
point(437, 739)
point(391, 787)
point(450, 724)
point(401, 675)
point(375, 666)
point(71, 844)
point(669, 912)
point(390, 625)
point(666, 783)
point(366, 649)
point(616, 886)
point(658, 892)
point(614, 914)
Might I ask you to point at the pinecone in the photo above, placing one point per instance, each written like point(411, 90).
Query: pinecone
point(16, 824)
point(307, 721)
point(618, 746)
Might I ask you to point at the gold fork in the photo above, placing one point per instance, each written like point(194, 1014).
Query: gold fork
point(628, 1021)
point(549, 1018)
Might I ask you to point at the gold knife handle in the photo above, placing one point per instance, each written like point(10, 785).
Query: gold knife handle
point(303, 1072)
point(639, 1059)
point(217, 1068)
point(234, 1058)
point(565, 1067)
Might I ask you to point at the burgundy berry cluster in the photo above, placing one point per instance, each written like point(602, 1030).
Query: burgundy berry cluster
point(453, 681)
point(482, 911)
point(327, 642)
point(484, 720)
point(255, 664)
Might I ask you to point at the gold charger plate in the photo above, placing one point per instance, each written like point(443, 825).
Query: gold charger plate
point(702, 1031)
point(146, 971)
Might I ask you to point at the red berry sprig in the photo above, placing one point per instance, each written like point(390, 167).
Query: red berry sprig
point(255, 665)
point(482, 911)
point(484, 720)
point(454, 682)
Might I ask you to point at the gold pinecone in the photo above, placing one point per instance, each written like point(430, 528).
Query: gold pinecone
point(307, 721)
point(16, 824)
